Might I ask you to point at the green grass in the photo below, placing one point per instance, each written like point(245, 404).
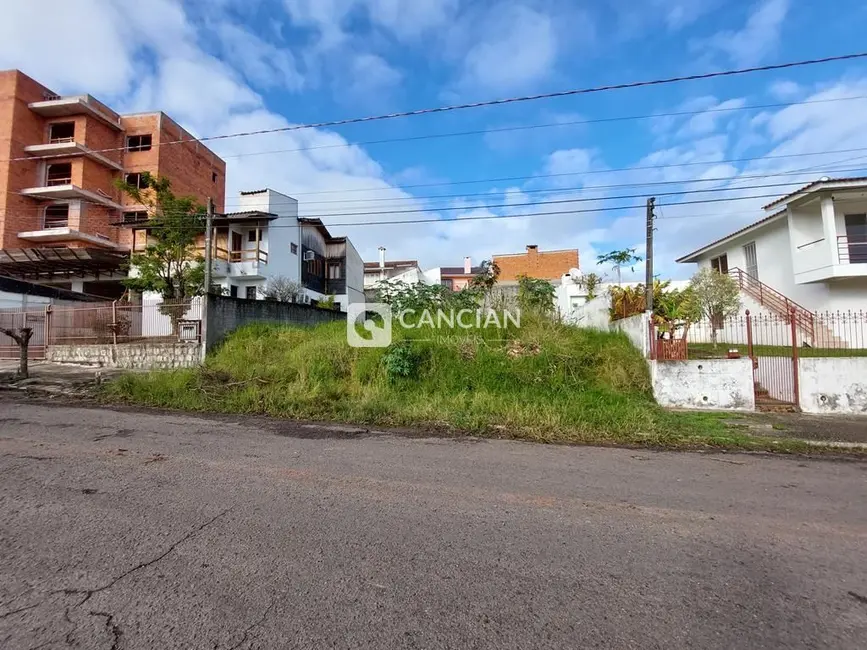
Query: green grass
point(545, 382)
point(707, 351)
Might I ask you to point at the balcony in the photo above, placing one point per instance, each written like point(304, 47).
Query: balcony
point(818, 261)
point(244, 263)
point(55, 235)
point(78, 105)
point(61, 188)
point(68, 147)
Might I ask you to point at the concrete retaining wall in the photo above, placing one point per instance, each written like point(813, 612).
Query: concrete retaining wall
point(133, 356)
point(833, 385)
point(704, 384)
point(223, 315)
point(637, 329)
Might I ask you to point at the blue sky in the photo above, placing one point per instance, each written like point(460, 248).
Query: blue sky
point(225, 66)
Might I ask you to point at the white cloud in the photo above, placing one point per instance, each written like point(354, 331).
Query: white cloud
point(371, 75)
point(784, 89)
point(517, 45)
point(262, 63)
point(758, 38)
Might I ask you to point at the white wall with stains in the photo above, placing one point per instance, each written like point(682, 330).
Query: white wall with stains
point(833, 384)
point(714, 384)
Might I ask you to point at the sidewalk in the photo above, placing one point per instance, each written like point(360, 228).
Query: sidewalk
point(824, 428)
point(55, 377)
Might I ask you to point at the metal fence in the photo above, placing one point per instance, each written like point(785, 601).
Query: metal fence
point(16, 319)
point(120, 322)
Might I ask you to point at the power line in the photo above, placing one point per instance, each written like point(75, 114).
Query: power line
point(504, 179)
point(526, 127)
point(510, 100)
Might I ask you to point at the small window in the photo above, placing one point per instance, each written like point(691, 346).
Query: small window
point(61, 132)
point(334, 271)
point(139, 142)
point(251, 236)
point(59, 174)
point(137, 180)
point(213, 177)
point(293, 248)
point(233, 291)
point(57, 216)
point(251, 293)
point(134, 217)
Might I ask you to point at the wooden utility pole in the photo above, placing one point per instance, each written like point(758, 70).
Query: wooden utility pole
point(648, 281)
point(209, 244)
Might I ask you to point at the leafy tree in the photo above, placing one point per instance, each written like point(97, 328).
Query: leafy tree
point(327, 302)
point(591, 283)
point(717, 297)
point(22, 339)
point(419, 296)
point(535, 294)
point(488, 277)
point(169, 264)
point(619, 259)
point(675, 310)
point(282, 289)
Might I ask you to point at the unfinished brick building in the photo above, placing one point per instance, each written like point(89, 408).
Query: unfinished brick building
point(59, 159)
point(545, 265)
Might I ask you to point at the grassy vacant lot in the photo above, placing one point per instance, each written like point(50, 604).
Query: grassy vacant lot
point(707, 351)
point(544, 382)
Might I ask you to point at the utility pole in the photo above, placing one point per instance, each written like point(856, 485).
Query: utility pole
point(209, 244)
point(648, 282)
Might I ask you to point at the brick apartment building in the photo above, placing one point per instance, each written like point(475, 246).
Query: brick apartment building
point(547, 265)
point(59, 159)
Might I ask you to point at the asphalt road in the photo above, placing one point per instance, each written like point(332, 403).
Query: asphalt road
point(146, 530)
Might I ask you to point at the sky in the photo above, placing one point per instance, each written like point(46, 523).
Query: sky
point(232, 66)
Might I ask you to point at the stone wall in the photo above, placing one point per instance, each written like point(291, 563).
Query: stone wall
point(833, 384)
point(133, 356)
point(223, 315)
point(725, 384)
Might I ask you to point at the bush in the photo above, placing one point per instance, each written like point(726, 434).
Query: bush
point(402, 361)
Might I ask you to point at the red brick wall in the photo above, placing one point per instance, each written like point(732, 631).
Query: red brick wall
point(191, 166)
point(536, 264)
point(19, 127)
point(99, 136)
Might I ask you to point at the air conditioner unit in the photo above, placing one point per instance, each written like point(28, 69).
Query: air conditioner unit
point(309, 256)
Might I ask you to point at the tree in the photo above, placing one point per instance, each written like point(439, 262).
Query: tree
point(22, 338)
point(675, 310)
point(169, 264)
point(282, 289)
point(591, 283)
point(535, 294)
point(487, 278)
point(327, 302)
point(717, 297)
point(619, 259)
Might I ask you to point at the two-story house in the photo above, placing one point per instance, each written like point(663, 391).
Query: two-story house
point(265, 239)
point(809, 253)
point(60, 156)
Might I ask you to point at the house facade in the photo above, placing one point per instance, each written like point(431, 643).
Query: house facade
point(266, 239)
point(811, 248)
point(59, 159)
point(544, 265)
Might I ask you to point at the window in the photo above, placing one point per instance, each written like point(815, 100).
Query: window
point(251, 293)
point(293, 248)
point(855, 251)
point(335, 271)
point(752, 263)
point(139, 142)
point(720, 264)
point(59, 174)
point(133, 217)
point(448, 283)
point(213, 177)
point(137, 180)
point(61, 132)
point(57, 216)
point(233, 291)
point(251, 236)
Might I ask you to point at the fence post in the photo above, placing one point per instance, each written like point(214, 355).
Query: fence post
point(749, 335)
point(114, 322)
point(47, 333)
point(795, 378)
point(651, 339)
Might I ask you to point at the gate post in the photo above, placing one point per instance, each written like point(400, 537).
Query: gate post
point(749, 335)
point(46, 334)
point(795, 378)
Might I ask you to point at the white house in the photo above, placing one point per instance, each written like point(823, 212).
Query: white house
point(809, 253)
point(266, 239)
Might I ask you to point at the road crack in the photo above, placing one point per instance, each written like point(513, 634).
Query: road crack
point(19, 610)
point(112, 627)
point(256, 624)
point(88, 593)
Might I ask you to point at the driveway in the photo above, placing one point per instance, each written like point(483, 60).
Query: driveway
point(124, 529)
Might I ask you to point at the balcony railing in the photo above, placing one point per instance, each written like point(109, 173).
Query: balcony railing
point(249, 256)
point(58, 180)
point(852, 250)
point(61, 140)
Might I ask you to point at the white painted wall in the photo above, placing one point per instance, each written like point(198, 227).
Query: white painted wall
point(22, 301)
point(280, 234)
point(637, 328)
point(354, 278)
point(833, 385)
point(706, 384)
